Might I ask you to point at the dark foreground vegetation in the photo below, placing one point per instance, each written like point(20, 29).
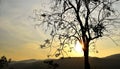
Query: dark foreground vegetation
point(110, 62)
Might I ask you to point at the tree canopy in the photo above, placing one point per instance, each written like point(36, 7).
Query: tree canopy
point(70, 19)
point(78, 20)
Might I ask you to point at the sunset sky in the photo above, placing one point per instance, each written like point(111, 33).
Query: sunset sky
point(19, 39)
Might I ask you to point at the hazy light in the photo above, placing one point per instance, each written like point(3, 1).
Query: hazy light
point(78, 47)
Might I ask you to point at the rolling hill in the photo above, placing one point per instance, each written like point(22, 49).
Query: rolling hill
point(110, 62)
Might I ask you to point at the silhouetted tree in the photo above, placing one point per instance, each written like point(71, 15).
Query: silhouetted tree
point(4, 63)
point(77, 20)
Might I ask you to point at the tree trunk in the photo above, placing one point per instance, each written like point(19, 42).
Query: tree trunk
point(86, 57)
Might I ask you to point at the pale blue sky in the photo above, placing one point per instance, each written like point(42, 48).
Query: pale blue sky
point(18, 36)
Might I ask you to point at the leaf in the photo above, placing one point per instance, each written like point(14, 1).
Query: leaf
point(70, 50)
point(108, 14)
point(47, 41)
point(43, 15)
point(58, 54)
point(59, 49)
point(61, 44)
point(96, 0)
point(42, 46)
point(97, 51)
point(48, 56)
point(52, 33)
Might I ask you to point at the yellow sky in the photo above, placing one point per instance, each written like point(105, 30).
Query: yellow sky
point(19, 39)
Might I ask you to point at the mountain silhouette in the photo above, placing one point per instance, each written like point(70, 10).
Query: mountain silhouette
point(110, 62)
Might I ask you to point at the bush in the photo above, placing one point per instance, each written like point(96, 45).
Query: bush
point(4, 63)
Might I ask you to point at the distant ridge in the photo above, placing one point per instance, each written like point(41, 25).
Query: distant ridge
point(25, 61)
point(109, 62)
point(115, 56)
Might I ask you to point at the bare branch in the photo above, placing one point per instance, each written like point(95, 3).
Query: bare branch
point(77, 20)
point(71, 5)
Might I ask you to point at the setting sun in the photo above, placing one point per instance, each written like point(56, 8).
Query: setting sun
point(78, 47)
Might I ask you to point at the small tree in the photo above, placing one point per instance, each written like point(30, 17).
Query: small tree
point(4, 63)
point(77, 20)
